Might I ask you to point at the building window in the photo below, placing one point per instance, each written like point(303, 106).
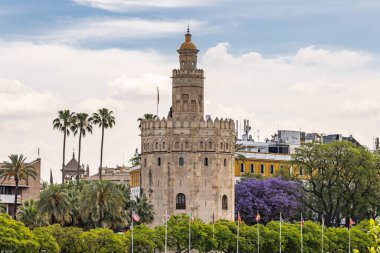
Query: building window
point(181, 201)
point(163, 145)
point(226, 146)
point(224, 202)
point(242, 167)
point(221, 146)
point(187, 145)
point(205, 162)
point(252, 168)
point(210, 145)
point(271, 169)
point(145, 162)
point(156, 145)
point(225, 162)
point(262, 168)
point(159, 161)
point(201, 144)
point(177, 145)
point(181, 161)
point(301, 171)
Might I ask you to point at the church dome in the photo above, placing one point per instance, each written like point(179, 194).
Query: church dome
point(188, 44)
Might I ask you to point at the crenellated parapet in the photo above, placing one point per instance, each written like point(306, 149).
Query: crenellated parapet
point(181, 135)
point(183, 72)
point(227, 124)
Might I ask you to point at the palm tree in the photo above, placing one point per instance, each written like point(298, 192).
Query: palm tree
point(63, 124)
point(102, 198)
point(55, 203)
point(81, 124)
point(238, 155)
point(147, 116)
point(144, 208)
point(104, 119)
point(17, 170)
point(30, 216)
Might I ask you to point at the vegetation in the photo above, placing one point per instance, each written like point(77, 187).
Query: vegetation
point(147, 116)
point(342, 181)
point(17, 170)
point(30, 216)
point(63, 123)
point(81, 124)
point(268, 198)
point(103, 118)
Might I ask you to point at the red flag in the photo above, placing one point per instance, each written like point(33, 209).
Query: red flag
point(239, 218)
point(258, 217)
point(135, 216)
point(352, 222)
point(302, 222)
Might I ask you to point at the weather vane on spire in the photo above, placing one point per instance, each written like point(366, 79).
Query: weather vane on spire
point(188, 25)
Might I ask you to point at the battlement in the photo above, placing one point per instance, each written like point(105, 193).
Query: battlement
point(178, 123)
point(181, 72)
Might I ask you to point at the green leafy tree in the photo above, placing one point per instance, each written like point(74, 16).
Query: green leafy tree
point(46, 240)
point(103, 240)
point(147, 116)
point(17, 170)
point(15, 237)
point(55, 203)
point(103, 118)
point(81, 124)
point(30, 216)
point(136, 158)
point(146, 239)
point(343, 180)
point(102, 199)
point(144, 208)
point(225, 235)
point(63, 123)
point(68, 238)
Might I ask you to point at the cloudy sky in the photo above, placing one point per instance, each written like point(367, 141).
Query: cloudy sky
point(294, 64)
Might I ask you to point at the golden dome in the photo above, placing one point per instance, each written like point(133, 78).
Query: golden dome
point(188, 44)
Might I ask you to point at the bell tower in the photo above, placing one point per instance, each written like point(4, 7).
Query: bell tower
point(188, 83)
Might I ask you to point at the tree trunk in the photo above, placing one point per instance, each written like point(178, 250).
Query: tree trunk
point(63, 156)
point(101, 155)
point(79, 149)
point(15, 203)
point(100, 216)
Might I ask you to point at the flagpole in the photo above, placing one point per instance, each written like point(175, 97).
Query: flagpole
point(349, 236)
point(190, 233)
point(323, 225)
point(132, 231)
point(166, 231)
point(258, 237)
point(158, 99)
point(301, 234)
point(237, 237)
point(280, 230)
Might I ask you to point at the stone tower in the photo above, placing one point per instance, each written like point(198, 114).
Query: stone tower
point(187, 162)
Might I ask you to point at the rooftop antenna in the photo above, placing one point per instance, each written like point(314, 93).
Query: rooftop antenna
point(188, 25)
point(258, 135)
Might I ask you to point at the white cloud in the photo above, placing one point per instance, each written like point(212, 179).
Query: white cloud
point(111, 29)
point(18, 100)
point(311, 56)
point(135, 5)
point(270, 91)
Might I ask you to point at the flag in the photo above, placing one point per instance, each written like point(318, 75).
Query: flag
point(191, 218)
point(135, 216)
point(158, 95)
point(352, 222)
point(239, 217)
point(302, 221)
point(258, 217)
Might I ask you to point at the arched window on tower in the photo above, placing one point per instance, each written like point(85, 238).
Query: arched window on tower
point(163, 145)
point(205, 162)
point(224, 202)
point(159, 161)
point(225, 162)
point(201, 145)
point(156, 146)
point(180, 201)
point(181, 161)
point(187, 145)
point(209, 144)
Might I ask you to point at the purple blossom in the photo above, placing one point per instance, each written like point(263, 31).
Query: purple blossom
point(269, 197)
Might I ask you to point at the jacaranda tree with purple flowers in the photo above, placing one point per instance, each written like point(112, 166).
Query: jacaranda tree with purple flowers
point(269, 197)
